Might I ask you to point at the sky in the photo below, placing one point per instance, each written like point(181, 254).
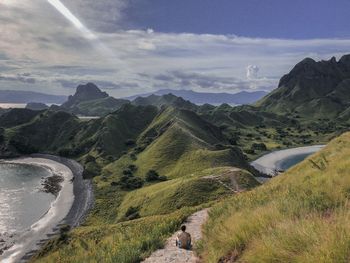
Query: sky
point(128, 47)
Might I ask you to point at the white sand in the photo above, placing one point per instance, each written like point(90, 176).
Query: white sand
point(57, 212)
point(268, 163)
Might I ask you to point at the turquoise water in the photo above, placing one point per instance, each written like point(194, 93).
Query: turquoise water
point(22, 203)
point(291, 161)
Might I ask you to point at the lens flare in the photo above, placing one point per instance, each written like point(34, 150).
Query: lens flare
point(109, 55)
point(73, 19)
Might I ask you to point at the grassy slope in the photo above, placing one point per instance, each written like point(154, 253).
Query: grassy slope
point(162, 206)
point(300, 216)
point(178, 147)
point(99, 107)
point(118, 243)
point(181, 192)
point(62, 133)
point(179, 144)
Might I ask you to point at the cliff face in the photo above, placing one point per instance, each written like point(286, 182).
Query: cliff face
point(85, 93)
point(89, 100)
point(312, 89)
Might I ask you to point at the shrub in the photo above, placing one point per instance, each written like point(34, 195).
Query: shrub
point(133, 156)
point(114, 183)
point(64, 230)
point(152, 175)
point(23, 146)
point(127, 172)
point(65, 152)
point(132, 167)
point(162, 178)
point(92, 169)
point(132, 213)
point(249, 151)
point(130, 142)
point(219, 146)
point(90, 158)
point(233, 141)
point(130, 182)
point(259, 146)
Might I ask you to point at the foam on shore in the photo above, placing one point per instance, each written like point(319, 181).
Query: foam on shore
point(59, 209)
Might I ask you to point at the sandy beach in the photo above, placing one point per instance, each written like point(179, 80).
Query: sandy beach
point(73, 201)
point(269, 163)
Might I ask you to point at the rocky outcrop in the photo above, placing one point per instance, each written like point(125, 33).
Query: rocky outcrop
point(36, 106)
point(89, 100)
point(85, 93)
point(312, 89)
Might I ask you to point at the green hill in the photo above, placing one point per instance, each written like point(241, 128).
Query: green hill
point(178, 143)
point(97, 142)
point(300, 216)
point(296, 217)
point(16, 117)
point(193, 167)
point(312, 90)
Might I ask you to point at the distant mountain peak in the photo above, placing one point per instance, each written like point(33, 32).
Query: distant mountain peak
point(90, 92)
point(85, 92)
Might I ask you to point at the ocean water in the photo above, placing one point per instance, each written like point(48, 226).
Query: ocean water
point(287, 163)
point(12, 105)
point(21, 201)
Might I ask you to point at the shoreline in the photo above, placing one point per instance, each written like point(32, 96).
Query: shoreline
point(269, 163)
point(69, 208)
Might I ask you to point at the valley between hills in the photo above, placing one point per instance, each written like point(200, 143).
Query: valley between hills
point(156, 160)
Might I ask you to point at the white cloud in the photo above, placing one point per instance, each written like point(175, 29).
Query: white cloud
point(36, 39)
point(252, 72)
point(99, 15)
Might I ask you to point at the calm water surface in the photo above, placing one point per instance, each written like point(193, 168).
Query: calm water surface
point(286, 163)
point(21, 201)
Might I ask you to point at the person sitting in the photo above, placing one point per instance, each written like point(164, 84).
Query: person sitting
point(183, 239)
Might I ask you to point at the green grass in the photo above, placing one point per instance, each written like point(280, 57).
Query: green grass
point(106, 237)
point(300, 216)
point(127, 242)
point(163, 207)
point(99, 107)
point(182, 144)
point(174, 194)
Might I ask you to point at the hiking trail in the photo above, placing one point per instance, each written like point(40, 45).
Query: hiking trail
point(171, 253)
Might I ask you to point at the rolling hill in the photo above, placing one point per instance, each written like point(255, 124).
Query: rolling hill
point(195, 167)
point(94, 142)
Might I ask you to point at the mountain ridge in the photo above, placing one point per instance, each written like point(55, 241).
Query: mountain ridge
point(199, 98)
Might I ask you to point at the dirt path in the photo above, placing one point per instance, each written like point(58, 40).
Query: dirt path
point(170, 253)
point(233, 187)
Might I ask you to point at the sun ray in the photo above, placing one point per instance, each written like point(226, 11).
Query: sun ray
point(73, 19)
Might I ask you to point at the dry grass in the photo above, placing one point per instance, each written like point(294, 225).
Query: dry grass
point(301, 216)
